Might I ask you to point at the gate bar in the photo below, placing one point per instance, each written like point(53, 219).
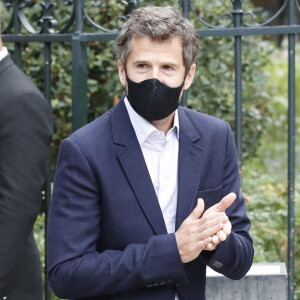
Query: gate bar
point(291, 152)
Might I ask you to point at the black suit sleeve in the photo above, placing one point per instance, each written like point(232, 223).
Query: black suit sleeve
point(25, 135)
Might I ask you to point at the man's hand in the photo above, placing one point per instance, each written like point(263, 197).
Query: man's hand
point(195, 233)
point(226, 230)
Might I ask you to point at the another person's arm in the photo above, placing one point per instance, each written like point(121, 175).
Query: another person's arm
point(25, 133)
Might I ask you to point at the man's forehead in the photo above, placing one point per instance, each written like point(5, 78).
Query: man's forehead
point(143, 47)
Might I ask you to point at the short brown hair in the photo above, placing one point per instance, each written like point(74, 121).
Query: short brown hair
point(158, 23)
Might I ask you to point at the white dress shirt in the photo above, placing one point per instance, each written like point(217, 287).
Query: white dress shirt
point(3, 53)
point(161, 156)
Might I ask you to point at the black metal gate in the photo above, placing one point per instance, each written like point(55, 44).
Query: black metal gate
point(20, 30)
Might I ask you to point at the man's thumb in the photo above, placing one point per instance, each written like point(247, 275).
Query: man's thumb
point(226, 201)
point(198, 210)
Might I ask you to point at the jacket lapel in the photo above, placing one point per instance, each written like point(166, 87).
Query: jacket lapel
point(135, 168)
point(189, 167)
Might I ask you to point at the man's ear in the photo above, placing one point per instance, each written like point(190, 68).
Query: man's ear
point(122, 73)
point(189, 77)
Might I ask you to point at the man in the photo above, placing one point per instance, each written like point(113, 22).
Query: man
point(125, 222)
point(25, 135)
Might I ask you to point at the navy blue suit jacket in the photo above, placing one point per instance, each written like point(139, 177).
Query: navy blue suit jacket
point(107, 238)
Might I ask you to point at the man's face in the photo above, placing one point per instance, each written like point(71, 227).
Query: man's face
point(156, 59)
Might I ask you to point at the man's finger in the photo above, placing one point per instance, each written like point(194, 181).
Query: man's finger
point(226, 202)
point(222, 236)
point(227, 228)
point(210, 247)
point(198, 210)
point(215, 239)
point(203, 244)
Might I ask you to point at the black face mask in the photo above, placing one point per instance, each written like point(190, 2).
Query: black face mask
point(152, 99)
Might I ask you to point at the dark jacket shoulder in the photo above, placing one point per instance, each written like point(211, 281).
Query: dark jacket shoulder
point(15, 85)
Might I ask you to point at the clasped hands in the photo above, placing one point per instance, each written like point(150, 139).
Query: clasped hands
point(204, 231)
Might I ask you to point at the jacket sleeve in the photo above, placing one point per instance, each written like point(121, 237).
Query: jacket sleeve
point(233, 257)
point(75, 266)
point(25, 135)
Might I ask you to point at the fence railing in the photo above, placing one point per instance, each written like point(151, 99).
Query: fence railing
point(236, 23)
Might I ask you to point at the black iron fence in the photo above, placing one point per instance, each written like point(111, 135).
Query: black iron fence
point(236, 23)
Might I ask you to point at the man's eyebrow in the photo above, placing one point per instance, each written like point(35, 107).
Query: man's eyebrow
point(168, 63)
point(140, 61)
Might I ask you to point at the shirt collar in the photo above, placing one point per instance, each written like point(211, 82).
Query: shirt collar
point(3, 53)
point(142, 127)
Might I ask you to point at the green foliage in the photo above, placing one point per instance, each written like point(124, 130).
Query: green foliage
point(265, 176)
point(267, 205)
point(213, 89)
point(267, 208)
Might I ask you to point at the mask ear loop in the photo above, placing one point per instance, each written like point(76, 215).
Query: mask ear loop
point(184, 79)
point(126, 84)
point(183, 83)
